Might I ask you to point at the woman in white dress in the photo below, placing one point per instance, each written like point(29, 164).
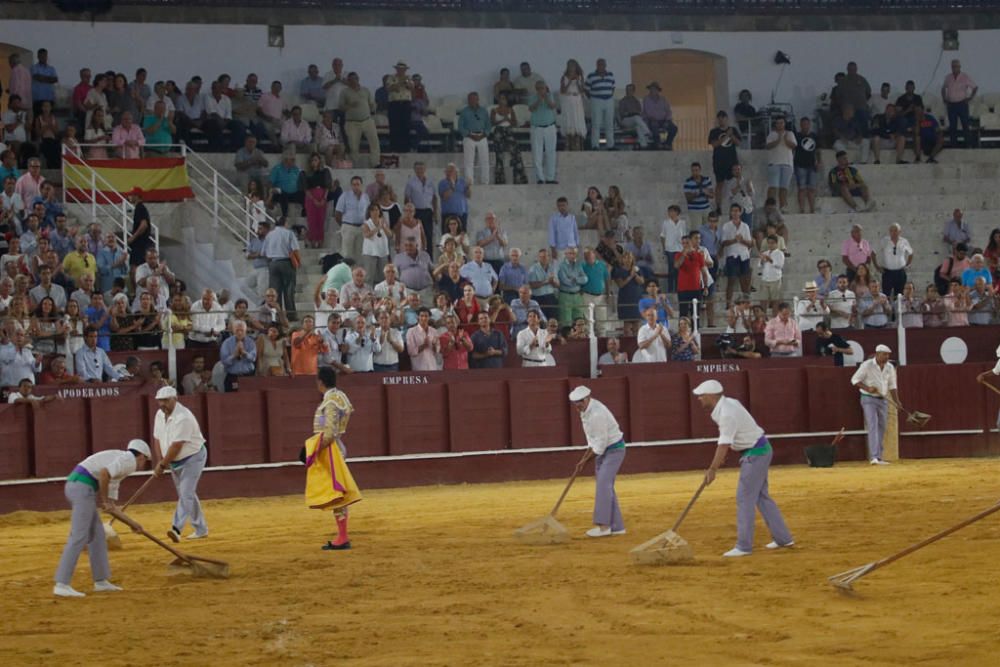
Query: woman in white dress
point(653, 340)
point(375, 246)
point(571, 93)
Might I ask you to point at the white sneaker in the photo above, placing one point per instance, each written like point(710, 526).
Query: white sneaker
point(196, 536)
point(174, 535)
point(105, 586)
point(878, 462)
point(597, 531)
point(735, 553)
point(67, 591)
point(775, 545)
point(618, 532)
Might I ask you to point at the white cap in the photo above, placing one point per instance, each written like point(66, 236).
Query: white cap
point(139, 446)
point(883, 348)
point(166, 392)
point(708, 387)
point(579, 394)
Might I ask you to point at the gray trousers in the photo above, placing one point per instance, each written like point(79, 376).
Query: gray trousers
point(606, 510)
point(352, 240)
point(751, 495)
point(876, 419)
point(281, 278)
point(186, 478)
point(85, 531)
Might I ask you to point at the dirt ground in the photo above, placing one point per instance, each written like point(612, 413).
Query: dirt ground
point(435, 578)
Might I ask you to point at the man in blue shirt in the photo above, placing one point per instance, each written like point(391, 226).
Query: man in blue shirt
point(513, 275)
point(572, 280)
point(563, 231)
point(454, 193)
point(311, 88)
point(474, 126)
point(543, 133)
point(544, 282)
point(91, 363)
point(43, 80)
point(489, 347)
point(521, 306)
point(285, 184)
point(481, 275)
point(595, 291)
point(699, 190)
point(601, 88)
point(238, 355)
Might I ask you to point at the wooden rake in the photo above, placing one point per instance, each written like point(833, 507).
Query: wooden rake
point(196, 565)
point(845, 580)
point(668, 548)
point(547, 530)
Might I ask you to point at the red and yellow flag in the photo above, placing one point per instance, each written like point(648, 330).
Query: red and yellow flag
point(162, 179)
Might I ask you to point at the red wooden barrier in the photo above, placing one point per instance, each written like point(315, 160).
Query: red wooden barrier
point(949, 393)
point(15, 434)
point(61, 437)
point(538, 413)
point(658, 407)
point(237, 428)
point(779, 400)
point(418, 419)
point(115, 421)
point(614, 393)
point(368, 430)
point(832, 402)
point(289, 421)
point(478, 414)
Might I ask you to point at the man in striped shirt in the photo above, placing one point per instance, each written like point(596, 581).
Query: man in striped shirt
point(699, 190)
point(601, 88)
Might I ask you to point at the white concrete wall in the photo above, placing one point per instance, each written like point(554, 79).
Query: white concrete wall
point(455, 61)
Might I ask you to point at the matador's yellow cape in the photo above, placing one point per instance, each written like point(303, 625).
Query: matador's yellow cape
point(329, 484)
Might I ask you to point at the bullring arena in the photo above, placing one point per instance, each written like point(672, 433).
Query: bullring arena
point(760, 241)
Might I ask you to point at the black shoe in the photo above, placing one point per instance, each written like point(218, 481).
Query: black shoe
point(552, 182)
point(540, 183)
point(902, 162)
point(330, 546)
point(931, 160)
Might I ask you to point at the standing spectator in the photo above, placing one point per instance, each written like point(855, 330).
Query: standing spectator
point(879, 104)
point(957, 230)
point(390, 343)
point(906, 102)
point(80, 91)
point(414, 267)
point(315, 185)
point(855, 251)
point(521, 306)
point(328, 139)
point(957, 91)
point(474, 128)
point(45, 130)
point(534, 344)
point(597, 289)
point(846, 183)
point(375, 245)
point(351, 210)
point(957, 304)
point(723, 139)
point(977, 269)
point(20, 84)
point(311, 87)
point(601, 90)
point(684, 343)
point(489, 347)
point(855, 91)
point(238, 355)
point(842, 304)
point(894, 256)
point(563, 230)
point(455, 192)
point(493, 241)
point(421, 193)
point(112, 262)
point(544, 282)
point(782, 335)
point(190, 112)
point(630, 116)
point(911, 308)
point(480, 275)
point(455, 345)
point(358, 106)
point(874, 308)
point(251, 164)
point(272, 109)
point(699, 191)
point(772, 263)
point(659, 117)
point(572, 90)
point(739, 189)
point(934, 312)
point(652, 340)
point(630, 284)
point(503, 86)
point(307, 345)
point(525, 83)
point(689, 264)
point(158, 129)
point(829, 344)
point(400, 88)
point(780, 146)
point(672, 230)
point(641, 249)
point(333, 84)
point(422, 342)
point(18, 362)
point(736, 241)
point(29, 185)
point(44, 78)
point(810, 309)
point(572, 280)
point(129, 139)
point(544, 134)
point(296, 135)
point(279, 246)
point(503, 121)
point(208, 321)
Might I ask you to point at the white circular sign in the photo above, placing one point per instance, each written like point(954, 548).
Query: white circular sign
point(856, 356)
point(954, 350)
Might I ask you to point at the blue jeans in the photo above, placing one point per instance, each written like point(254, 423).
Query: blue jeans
point(958, 111)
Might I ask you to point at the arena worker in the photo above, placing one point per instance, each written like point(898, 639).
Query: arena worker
point(183, 452)
point(994, 371)
point(607, 443)
point(329, 484)
point(94, 484)
point(738, 431)
point(876, 380)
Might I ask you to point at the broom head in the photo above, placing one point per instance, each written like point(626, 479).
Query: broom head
point(918, 419)
point(199, 568)
point(544, 531)
point(111, 537)
point(667, 548)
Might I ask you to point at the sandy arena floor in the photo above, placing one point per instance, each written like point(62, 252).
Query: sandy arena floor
point(436, 579)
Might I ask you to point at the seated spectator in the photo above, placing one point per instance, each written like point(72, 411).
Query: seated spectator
point(952, 268)
point(641, 249)
point(238, 355)
point(390, 288)
point(311, 88)
point(219, 119)
point(47, 288)
point(983, 303)
point(157, 376)
point(489, 346)
point(112, 263)
point(841, 303)
point(130, 369)
point(521, 306)
point(192, 382)
point(17, 360)
point(888, 131)
point(658, 116)
point(552, 326)
point(977, 269)
point(613, 355)
point(829, 344)
point(121, 325)
point(480, 276)
point(251, 164)
point(810, 309)
point(156, 269)
point(630, 116)
point(501, 315)
point(456, 344)
point(782, 335)
point(653, 340)
point(390, 341)
point(272, 352)
point(657, 300)
point(442, 308)
point(208, 321)
point(285, 184)
point(91, 362)
point(911, 308)
point(738, 315)
point(934, 310)
point(295, 133)
point(850, 131)
point(24, 394)
point(409, 314)
point(928, 137)
point(57, 373)
point(454, 232)
point(467, 309)
point(512, 276)
point(329, 142)
point(84, 295)
point(758, 320)
point(580, 330)
point(128, 137)
point(14, 122)
point(150, 328)
point(271, 312)
point(684, 344)
point(422, 342)
point(158, 129)
point(846, 183)
point(957, 304)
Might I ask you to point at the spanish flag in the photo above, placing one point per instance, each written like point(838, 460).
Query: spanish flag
point(162, 179)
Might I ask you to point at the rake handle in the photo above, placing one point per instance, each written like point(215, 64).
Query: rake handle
point(677, 524)
point(138, 492)
point(576, 471)
point(134, 525)
point(989, 386)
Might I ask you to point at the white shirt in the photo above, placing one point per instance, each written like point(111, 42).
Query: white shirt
point(841, 305)
point(533, 356)
point(600, 426)
point(333, 341)
point(16, 396)
point(167, 103)
point(671, 234)
point(868, 373)
point(377, 245)
point(657, 350)
point(781, 154)
point(729, 232)
point(771, 271)
point(893, 256)
point(223, 107)
point(809, 313)
point(387, 354)
point(181, 426)
point(120, 463)
point(736, 427)
point(360, 349)
point(333, 92)
point(323, 312)
point(397, 292)
point(203, 324)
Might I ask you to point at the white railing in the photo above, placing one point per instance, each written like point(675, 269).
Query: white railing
point(102, 207)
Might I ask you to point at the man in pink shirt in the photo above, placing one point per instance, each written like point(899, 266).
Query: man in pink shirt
point(20, 81)
point(855, 251)
point(295, 132)
point(422, 343)
point(782, 335)
point(128, 137)
point(957, 91)
point(29, 185)
point(272, 109)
